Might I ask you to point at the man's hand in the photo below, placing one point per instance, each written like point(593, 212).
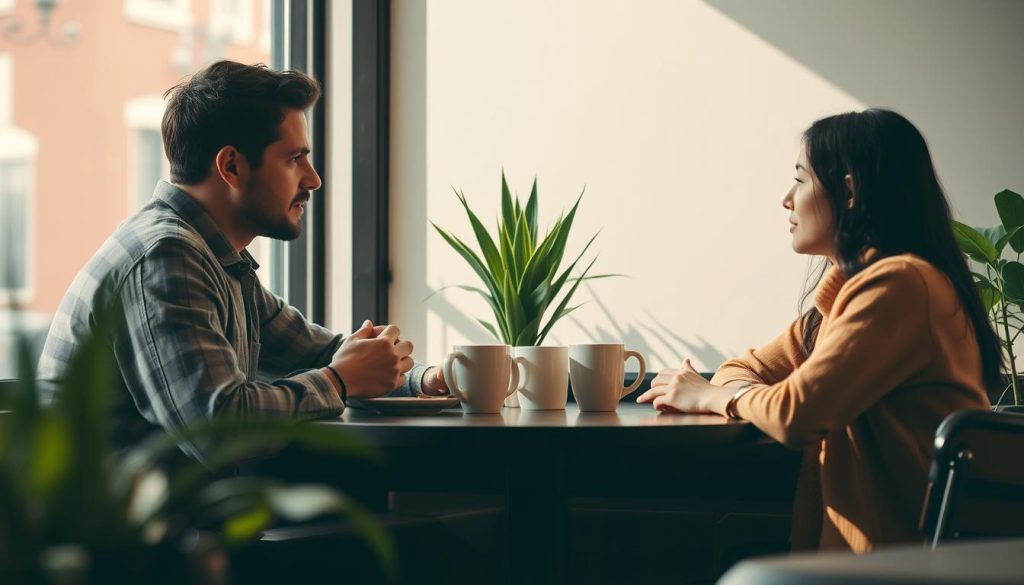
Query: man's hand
point(433, 382)
point(373, 361)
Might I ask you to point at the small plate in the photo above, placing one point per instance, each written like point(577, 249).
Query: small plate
point(407, 405)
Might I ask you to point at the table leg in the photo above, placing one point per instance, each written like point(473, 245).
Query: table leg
point(537, 504)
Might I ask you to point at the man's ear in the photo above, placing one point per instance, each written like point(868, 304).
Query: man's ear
point(851, 189)
point(230, 165)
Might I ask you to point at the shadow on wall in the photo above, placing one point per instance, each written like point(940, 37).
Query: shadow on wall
point(953, 67)
point(659, 345)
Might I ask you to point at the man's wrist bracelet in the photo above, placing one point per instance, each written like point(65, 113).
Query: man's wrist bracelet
point(341, 383)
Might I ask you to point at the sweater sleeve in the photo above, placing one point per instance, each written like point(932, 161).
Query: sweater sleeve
point(873, 343)
point(767, 365)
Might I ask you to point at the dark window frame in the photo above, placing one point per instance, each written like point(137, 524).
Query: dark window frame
point(299, 268)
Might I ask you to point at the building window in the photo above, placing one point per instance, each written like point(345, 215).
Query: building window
point(172, 15)
point(18, 150)
point(15, 222)
point(232, 21)
point(147, 163)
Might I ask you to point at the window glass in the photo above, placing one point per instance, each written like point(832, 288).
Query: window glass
point(81, 100)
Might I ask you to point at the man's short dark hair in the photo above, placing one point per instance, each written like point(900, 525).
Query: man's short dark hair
point(229, 104)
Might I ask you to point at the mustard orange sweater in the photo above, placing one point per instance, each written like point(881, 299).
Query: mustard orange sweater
point(894, 355)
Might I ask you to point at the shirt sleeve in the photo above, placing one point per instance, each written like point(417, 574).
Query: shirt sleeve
point(873, 343)
point(288, 341)
point(187, 368)
point(769, 364)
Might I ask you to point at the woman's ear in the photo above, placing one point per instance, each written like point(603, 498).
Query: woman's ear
point(851, 189)
point(229, 162)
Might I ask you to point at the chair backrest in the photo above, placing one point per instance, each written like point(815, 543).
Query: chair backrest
point(976, 484)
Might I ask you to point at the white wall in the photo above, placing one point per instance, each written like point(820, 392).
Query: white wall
point(339, 175)
point(682, 118)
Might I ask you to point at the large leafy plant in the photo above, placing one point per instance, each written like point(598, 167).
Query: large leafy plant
point(72, 510)
point(521, 271)
point(1000, 280)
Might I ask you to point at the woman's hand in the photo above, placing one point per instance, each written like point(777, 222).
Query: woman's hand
point(685, 390)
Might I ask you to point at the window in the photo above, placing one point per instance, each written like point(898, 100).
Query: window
point(18, 150)
point(172, 15)
point(147, 163)
point(15, 225)
point(232, 20)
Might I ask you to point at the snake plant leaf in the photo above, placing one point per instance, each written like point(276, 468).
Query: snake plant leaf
point(564, 277)
point(518, 248)
point(483, 238)
point(974, 244)
point(505, 243)
point(561, 306)
point(508, 215)
point(1010, 206)
point(1013, 281)
point(514, 316)
point(470, 257)
point(490, 329)
point(531, 210)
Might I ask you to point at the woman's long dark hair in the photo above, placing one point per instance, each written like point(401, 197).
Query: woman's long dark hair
point(898, 207)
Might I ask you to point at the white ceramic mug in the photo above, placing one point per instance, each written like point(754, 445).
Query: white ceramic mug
point(543, 377)
point(597, 371)
point(480, 376)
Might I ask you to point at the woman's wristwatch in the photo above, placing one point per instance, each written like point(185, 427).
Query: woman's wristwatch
point(730, 407)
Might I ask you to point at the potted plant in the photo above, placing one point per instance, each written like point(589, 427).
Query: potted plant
point(72, 510)
point(523, 279)
point(999, 276)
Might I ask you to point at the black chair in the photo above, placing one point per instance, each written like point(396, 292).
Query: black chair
point(976, 483)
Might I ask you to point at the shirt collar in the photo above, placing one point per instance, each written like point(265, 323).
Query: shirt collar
point(834, 279)
point(194, 215)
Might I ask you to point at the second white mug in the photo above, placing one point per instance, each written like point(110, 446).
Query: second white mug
point(543, 377)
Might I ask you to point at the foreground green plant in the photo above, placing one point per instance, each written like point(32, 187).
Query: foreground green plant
point(72, 510)
point(1002, 283)
point(521, 272)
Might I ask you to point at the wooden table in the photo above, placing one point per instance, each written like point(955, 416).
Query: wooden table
point(538, 459)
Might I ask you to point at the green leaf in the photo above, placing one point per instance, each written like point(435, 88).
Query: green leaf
point(471, 258)
point(565, 301)
point(508, 216)
point(1013, 281)
point(989, 295)
point(531, 210)
point(974, 244)
point(483, 238)
point(247, 525)
point(1010, 206)
point(490, 329)
point(1005, 239)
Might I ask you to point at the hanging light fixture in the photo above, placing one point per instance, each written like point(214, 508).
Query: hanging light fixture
point(67, 33)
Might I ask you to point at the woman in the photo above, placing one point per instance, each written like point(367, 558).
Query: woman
point(897, 339)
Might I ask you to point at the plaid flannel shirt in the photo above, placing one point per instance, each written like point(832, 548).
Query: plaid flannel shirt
point(196, 332)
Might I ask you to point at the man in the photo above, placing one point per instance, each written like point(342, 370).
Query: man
point(198, 335)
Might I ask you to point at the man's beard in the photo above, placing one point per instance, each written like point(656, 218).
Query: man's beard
point(278, 228)
point(282, 230)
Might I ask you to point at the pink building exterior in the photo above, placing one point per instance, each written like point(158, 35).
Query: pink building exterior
point(93, 108)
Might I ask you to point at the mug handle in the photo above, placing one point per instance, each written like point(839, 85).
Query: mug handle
point(517, 362)
point(513, 383)
point(449, 374)
point(640, 375)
